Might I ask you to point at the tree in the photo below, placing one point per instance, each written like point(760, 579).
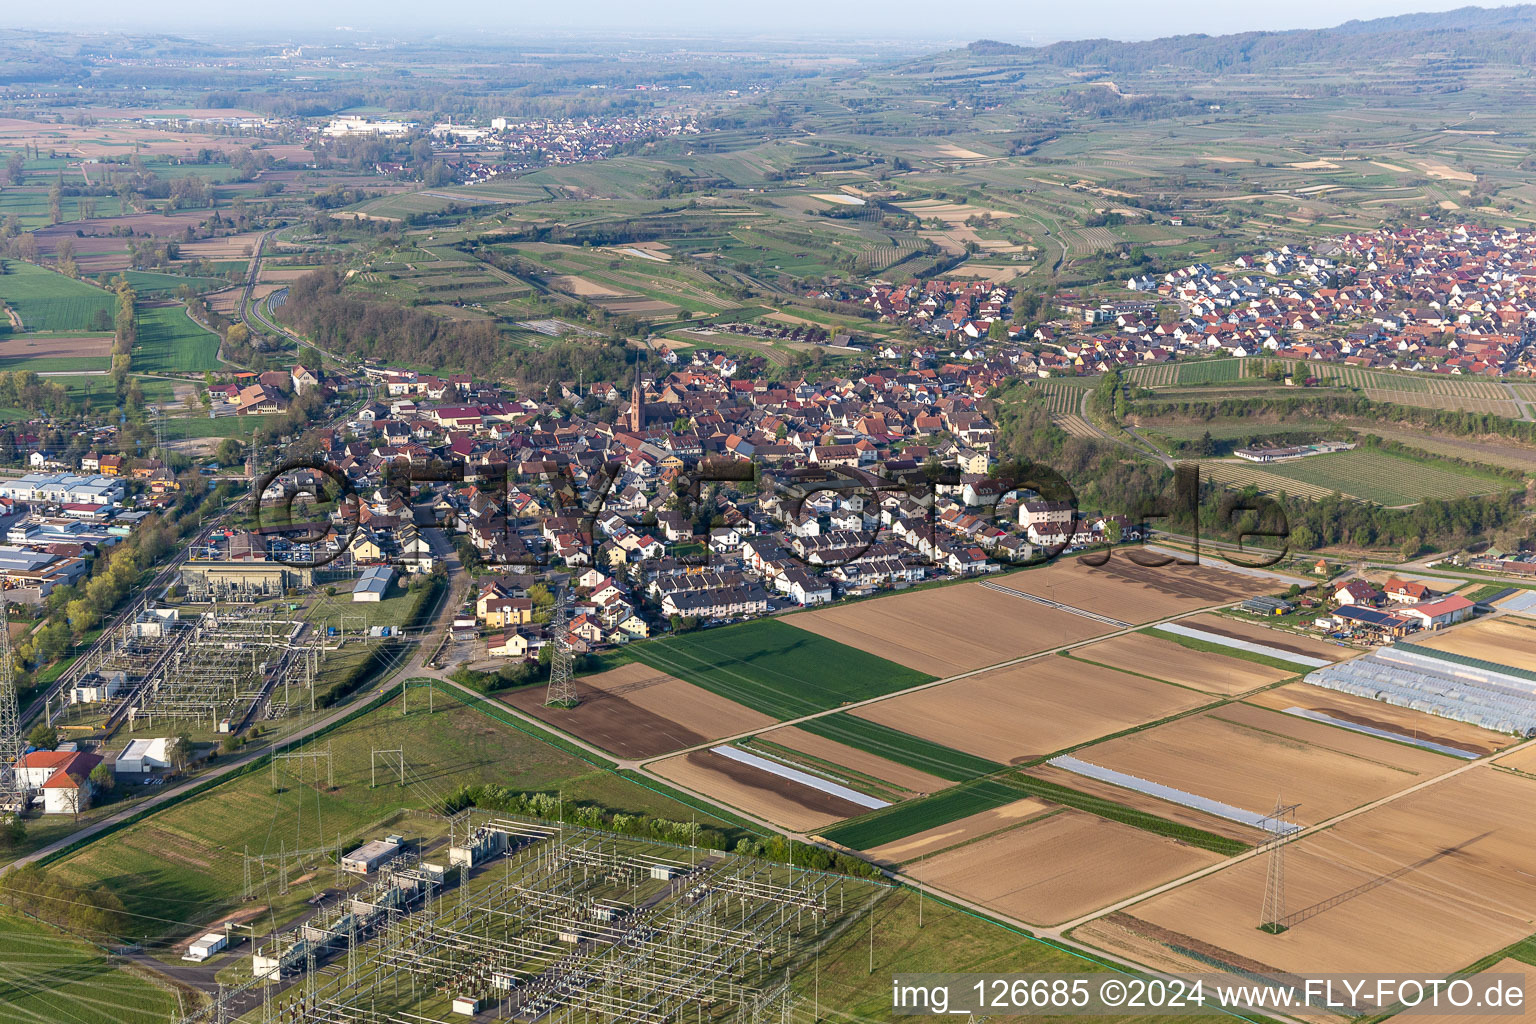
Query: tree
point(229, 452)
point(43, 736)
point(13, 831)
point(103, 778)
point(179, 752)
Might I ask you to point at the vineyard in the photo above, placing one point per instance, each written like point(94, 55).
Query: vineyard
point(1063, 396)
point(1433, 384)
point(1456, 403)
point(1363, 473)
point(1202, 371)
point(876, 259)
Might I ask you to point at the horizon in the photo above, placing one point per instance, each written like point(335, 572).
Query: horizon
point(799, 21)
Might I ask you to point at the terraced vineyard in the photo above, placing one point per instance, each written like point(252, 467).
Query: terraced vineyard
point(1455, 403)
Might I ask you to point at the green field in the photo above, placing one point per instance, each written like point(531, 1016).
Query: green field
point(945, 762)
point(46, 975)
point(170, 342)
point(47, 301)
point(183, 863)
point(775, 668)
point(148, 283)
point(905, 819)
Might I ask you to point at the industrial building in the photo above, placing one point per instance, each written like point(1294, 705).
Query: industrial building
point(367, 858)
point(64, 489)
point(141, 757)
point(243, 581)
point(373, 584)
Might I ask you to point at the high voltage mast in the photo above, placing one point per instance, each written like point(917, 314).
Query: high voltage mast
point(1272, 917)
point(562, 692)
point(10, 724)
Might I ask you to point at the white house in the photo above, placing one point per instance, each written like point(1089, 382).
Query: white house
point(62, 778)
point(140, 757)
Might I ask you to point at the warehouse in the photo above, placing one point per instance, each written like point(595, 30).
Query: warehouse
point(64, 488)
point(373, 584)
point(140, 757)
point(1444, 612)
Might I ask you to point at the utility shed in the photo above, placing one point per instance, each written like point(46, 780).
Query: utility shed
point(366, 858)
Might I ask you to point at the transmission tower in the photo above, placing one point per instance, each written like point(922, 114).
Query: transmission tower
point(10, 722)
point(562, 693)
point(1272, 918)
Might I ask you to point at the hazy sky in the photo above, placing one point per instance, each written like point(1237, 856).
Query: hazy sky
point(1010, 20)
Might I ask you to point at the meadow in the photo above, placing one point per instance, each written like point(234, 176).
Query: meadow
point(170, 342)
point(47, 975)
point(775, 668)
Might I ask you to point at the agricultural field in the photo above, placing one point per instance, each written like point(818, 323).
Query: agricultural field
point(1412, 725)
point(782, 802)
point(1059, 866)
point(47, 975)
point(944, 762)
point(48, 301)
point(774, 668)
point(1247, 756)
point(920, 629)
point(635, 711)
point(1503, 641)
point(1131, 593)
point(1027, 711)
point(867, 772)
point(1252, 632)
point(1467, 846)
point(171, 342)
point(1153, 656)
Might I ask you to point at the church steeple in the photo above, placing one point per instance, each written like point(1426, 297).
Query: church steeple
point(637, 404)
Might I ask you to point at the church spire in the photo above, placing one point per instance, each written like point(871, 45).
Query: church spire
point(637, 403)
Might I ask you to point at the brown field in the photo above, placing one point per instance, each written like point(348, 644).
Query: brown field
point(1247, 757)
point(1175, 663)
point(636, 306)
point(227, 248)
point(1506, 641)
point(33, 346)
point(1521, 760)
point(953, 833)
point(224, 301)
point(1378, 715)
point(581, 286)
point(1134, 593)
point(636, 711)
point(1026, 711)
point(854, 759)
point(787, 804)
point(924, 629)
point(1150, 804)
point(1470, 845)
point(1268, 637)
point(284, 274)
point(1060, 867)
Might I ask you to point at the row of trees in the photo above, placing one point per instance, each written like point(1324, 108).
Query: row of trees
point(85, 911)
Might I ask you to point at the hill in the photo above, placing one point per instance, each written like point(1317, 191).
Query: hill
point(1503, 35)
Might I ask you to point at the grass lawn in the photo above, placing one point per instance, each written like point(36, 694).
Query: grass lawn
point(775, 668)
point(48, 975)
point(170, 342)
point(47, 301)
